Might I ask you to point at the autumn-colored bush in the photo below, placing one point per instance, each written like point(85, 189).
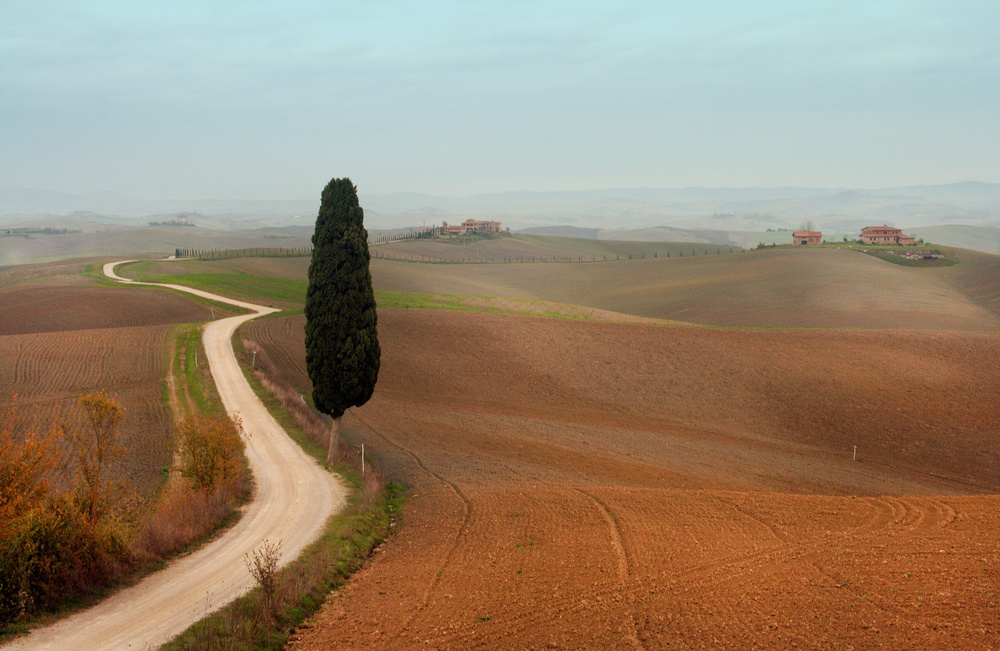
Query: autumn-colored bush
point(61, 537)
point(56, 546)
point(211, 450)
point(53, 554)
point(212, 482)
point(26, 461)
point(92, 442)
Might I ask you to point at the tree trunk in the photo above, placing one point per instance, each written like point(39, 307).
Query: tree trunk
point(332, 442)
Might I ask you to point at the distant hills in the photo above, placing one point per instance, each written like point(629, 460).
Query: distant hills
point(716, 215)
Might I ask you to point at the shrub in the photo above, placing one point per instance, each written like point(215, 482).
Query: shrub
point(54, 554)
point(93, 446)
point(26, 460)
point(262, 564)
point(211, 450)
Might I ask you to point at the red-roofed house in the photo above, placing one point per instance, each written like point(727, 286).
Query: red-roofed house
point(885, 235)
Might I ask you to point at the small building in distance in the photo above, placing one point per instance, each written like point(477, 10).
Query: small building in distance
point(885, 235)
point(470, 226)
point(802, 238)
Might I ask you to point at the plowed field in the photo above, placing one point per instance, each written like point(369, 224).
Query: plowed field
point(607, 485)
point(58, 308)
point(62, 336)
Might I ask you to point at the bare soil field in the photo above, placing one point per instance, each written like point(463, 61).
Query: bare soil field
point(55, 308)
point(581, 484)
point(51, 370)
point(63, 335)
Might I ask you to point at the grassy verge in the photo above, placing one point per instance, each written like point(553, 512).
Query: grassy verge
point(256, 621)
point(195, 385)
point(185, 517)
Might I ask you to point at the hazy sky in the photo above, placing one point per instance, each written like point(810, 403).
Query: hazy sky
point(269, 100)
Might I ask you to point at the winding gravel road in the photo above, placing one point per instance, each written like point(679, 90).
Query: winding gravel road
point(293, 499)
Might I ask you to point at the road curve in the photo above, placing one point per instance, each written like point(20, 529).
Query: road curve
point(294, 497)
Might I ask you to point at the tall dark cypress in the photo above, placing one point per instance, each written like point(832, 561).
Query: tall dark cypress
point(342, 349)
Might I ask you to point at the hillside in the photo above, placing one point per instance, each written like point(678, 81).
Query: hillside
point(99, 239)
point(582, 481)
point(572, 480)
point(985, 239)
point(822, 288)
point(540, 248)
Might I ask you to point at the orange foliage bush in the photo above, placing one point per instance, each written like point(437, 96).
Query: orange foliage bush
point(211, 450)
point(25, 464)
point(93, 447)
point(212, 463)
point(56, 546)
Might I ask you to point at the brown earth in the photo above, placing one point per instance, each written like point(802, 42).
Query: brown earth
point(58, 308)
point(62, 336)
point(575, 484)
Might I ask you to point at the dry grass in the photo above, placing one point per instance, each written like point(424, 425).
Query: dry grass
point(185, 515)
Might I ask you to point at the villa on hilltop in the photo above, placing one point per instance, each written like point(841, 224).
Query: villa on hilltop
point(470, 226)
point(802, 238)
point(885, 235)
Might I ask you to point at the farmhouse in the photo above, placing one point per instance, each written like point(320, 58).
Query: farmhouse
point(885, 235)
point(802, 238)
point(470, 226)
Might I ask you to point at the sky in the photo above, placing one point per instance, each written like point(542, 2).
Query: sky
point(269, 100)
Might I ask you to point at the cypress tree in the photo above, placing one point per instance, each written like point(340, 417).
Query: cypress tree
point(342, 350)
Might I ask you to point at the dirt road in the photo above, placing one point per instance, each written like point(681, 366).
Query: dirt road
point(294, 497)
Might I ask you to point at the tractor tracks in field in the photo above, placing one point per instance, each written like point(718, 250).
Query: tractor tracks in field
point(888, 518)
point(625, 566)
point(459, 536)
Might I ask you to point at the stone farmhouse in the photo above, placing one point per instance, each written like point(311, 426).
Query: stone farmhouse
point(885, 235)
point(470, 226)
point(802, 238)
